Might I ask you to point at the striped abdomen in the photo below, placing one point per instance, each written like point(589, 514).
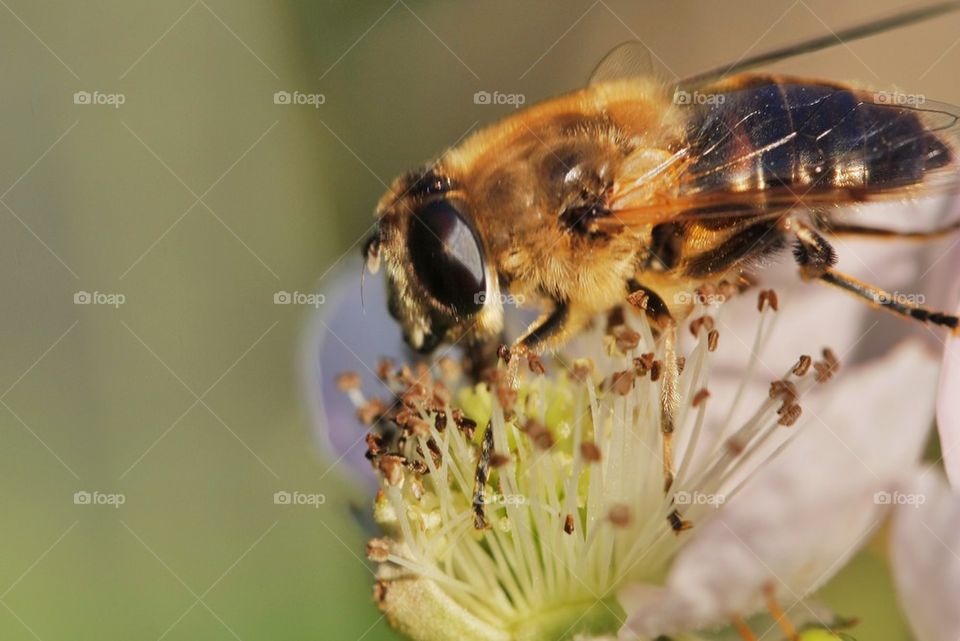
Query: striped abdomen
point(755, 134)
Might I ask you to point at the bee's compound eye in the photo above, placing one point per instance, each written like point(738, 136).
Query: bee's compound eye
point(446, 256)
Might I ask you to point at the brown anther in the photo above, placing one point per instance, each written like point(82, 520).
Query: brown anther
point(402, 417)
point(499, 460)
point(378, 550)
point(622, 382)
point(831, 358)
point(656, 368)
point(700, 397)
point(590, 452)
point(619, 515)
point(466, 425)
point(705, 322)
point(784, 389)
point(415, 395)
point(712, 339)
point(625, 338)
point(374, 445)
point(503, 353)
point(824, 371)
point(418, 426)
point(677, 524)
point(802, 366)
point(385, 369)
point(419, 468)
point(539, 434)
point(768, 297)
point(440, 421)
point(638, 299)
point(369, 412)
point(536, 365)
point(681, 363)
point(706, 292)
point(734, 446)
point(568, 524)
point(789, 414)
point(392, 467)
point(727, 290)
point(348, 381)
point(582, 368)
point(643, 364)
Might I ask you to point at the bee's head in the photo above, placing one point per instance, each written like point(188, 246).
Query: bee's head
point(437, 278)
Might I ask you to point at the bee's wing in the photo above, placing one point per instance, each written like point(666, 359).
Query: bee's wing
point(630, 59)
point(755, 153)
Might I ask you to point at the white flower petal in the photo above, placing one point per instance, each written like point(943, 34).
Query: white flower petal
point(925, 551)
point(803, 515)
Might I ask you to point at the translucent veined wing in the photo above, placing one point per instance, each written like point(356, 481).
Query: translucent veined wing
point(762, 145)
point(630, 59)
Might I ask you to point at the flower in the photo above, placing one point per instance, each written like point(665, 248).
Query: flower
point(572, 532)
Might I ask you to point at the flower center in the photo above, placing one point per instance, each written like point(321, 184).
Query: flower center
point(515, 508)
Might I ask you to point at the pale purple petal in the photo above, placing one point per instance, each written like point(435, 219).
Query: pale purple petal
point(345, 335)
point(802, 516)
point(925, 553)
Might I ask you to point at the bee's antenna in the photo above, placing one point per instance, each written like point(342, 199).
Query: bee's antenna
point(833, 38)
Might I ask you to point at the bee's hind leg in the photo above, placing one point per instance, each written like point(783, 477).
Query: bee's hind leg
point(660, 318)
point(816, 259)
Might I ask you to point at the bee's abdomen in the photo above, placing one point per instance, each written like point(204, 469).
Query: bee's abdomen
point(809, 138)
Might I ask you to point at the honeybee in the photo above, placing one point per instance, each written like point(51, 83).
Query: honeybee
point(629, 189)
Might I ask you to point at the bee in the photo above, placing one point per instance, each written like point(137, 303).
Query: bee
point(631, 190)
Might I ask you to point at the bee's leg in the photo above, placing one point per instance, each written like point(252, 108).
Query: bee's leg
point(659, 315)
point(551, 326)
point(843, 229)
point(816, 259)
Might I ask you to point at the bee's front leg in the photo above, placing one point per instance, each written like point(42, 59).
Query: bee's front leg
point(551, 327)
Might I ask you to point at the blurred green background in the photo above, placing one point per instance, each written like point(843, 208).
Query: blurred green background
point(198, 199)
